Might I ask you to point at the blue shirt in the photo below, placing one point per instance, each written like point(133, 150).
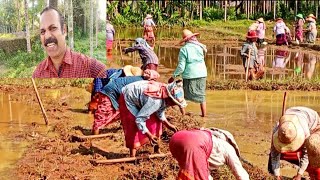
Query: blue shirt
point(113, 88)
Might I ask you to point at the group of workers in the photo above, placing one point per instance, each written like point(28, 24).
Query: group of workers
point(135, 96)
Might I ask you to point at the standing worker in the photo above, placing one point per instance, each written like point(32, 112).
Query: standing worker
point(148, 25)
point(299, 28)
point(110, 36)
point(193, 69)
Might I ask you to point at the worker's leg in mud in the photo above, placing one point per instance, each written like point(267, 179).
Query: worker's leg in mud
point(203, 107)
point(133, 152)
point(252, 74)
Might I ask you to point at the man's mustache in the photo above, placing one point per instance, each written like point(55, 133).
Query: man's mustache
point(50, 40)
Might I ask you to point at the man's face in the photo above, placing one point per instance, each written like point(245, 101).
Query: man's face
point(52, 35)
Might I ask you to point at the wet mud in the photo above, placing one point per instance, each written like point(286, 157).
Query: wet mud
point(56, 155)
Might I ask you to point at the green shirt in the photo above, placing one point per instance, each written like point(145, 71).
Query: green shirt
point(191, 63)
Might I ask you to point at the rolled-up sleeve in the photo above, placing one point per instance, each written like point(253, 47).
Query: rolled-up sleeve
point(233, 161)
point(150, 106)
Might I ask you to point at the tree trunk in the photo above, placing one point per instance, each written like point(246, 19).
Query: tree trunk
point(97, 23)
point(85, 18)
point(200, 8)
point(225, 11)
point(26, 15)
point(274, 9)
point(70, 24)
point(53, 3)
point(91, 28)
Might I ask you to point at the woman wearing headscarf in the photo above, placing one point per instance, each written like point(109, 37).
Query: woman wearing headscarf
point(280, 29)
point(142, 111)
point(110, 32)
point(261, 31)
point(291, 141)
point(299, 28)
point(311, 29)
point(148, 25)
point(249, 52)
point(148, 56)
point(193, 69)
point(199, 151)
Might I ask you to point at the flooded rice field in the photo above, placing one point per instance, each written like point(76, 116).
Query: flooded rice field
point(16, 116)
point(223, 59)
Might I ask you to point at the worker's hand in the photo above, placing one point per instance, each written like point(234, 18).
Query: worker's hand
point(171, 80)
point(124, 50)
point(297, 177)
point(278, 177)
point(153, 139)
point(170, 126)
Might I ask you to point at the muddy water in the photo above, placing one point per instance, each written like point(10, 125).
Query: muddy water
point(16, 116)
point(250, 116)
point(224, 61)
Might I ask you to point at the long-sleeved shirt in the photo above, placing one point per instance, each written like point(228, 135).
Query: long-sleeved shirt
point(280, 28)
point(148, 22)
point(309, 120)
point(253, 53)
point(261, 30)
point(147, 55)
point(191, 62)
point(110, 31)
point(141, 105)
point(223, 153)
point(311, 26)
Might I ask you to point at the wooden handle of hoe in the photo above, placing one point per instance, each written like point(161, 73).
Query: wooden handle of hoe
point(248, 63)
point(284, 103)
point(39, 101)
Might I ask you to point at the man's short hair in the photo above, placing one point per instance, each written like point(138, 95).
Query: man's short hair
point(61, 18)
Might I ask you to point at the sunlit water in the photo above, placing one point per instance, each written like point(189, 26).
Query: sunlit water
point(17, 116)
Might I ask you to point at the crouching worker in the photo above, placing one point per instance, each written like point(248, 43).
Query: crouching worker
point(249, 52)
point(199, 151)
point(142, 111)
point(290, 139)
point(108, 107)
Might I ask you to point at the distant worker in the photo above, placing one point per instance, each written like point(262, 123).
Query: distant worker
point(280, 30)
point(299, 28)
point(148, 33)
point(311, 29)
point(148, 56)
point(261, 31)
point(110, 36)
